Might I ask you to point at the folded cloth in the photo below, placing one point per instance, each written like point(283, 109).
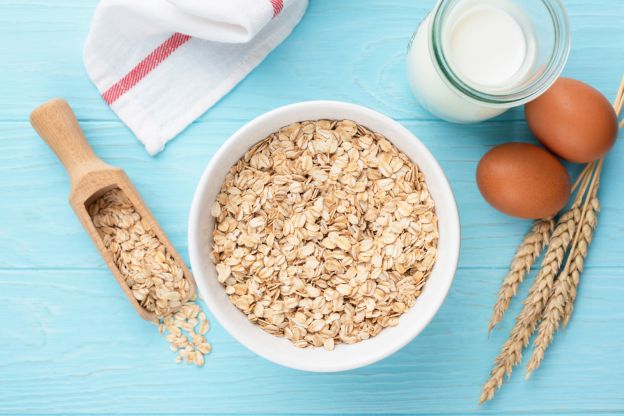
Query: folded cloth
point(160, 64)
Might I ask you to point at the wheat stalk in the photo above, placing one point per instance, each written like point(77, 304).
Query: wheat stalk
point(528, 251)
point(541, 289)
point(587, 232)
point(511, 353)
point(526, 254)
point(561, 303)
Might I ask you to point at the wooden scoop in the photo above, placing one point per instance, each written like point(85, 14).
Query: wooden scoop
point(90, 178)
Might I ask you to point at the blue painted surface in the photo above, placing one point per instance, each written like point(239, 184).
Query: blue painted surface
point(71, 343)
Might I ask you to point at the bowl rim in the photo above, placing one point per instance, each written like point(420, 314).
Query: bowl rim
point(434, 170)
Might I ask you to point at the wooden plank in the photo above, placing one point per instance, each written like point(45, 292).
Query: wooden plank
point(341, 50)
point(40, 229)
point(73, 344)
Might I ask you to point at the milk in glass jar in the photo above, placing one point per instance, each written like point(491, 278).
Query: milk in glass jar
point(471, 60)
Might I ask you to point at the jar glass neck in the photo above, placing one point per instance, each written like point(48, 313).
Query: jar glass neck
point(548, 23)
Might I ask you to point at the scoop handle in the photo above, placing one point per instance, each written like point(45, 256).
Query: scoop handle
point(56, 123)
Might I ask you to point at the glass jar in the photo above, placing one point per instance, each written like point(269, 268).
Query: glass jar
point(471, 60)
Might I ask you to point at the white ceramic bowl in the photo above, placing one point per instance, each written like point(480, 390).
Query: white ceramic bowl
point(280, 350)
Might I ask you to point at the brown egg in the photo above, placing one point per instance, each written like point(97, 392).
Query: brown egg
point(573, 120)
point(523, 180)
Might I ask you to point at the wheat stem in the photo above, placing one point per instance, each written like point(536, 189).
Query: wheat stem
point(619, 98)
point(582, 176)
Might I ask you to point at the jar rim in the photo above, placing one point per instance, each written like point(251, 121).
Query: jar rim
point(549, 75)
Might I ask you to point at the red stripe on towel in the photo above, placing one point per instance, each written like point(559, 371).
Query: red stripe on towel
point(155, 58)
point(147, 65)
point(278, 5)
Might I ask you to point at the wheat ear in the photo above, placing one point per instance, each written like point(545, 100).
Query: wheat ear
point(564, 293)
point(561, 302)
point(578, 255)
point(511, 352)
point(587, 231)
point(528, 251)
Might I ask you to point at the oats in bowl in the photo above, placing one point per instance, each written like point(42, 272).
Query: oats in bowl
point(325, 233)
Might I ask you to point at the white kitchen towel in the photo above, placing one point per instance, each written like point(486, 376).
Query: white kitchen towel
point(160, 64)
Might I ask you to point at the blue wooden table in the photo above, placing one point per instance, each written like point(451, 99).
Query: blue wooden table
point(71, 343)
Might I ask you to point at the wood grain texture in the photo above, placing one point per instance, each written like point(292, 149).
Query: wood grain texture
point(56, 358)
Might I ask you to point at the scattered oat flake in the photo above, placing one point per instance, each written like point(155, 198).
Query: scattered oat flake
point(185, 333)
